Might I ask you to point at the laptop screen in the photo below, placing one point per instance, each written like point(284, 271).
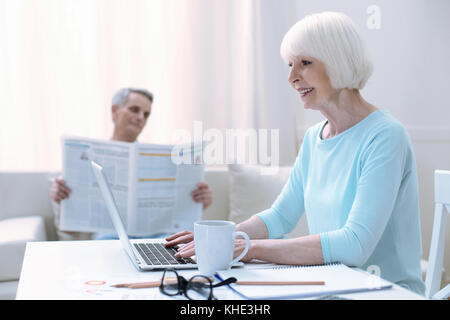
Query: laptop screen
point(112, 208)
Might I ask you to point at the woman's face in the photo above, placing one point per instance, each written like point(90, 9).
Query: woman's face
point(309, 77)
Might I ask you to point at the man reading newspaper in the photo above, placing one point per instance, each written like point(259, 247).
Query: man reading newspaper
point(130, 111)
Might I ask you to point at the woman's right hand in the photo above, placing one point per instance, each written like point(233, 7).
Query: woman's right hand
point(188, 250)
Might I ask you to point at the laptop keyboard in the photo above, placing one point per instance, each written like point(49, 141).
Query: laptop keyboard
point(158, 254)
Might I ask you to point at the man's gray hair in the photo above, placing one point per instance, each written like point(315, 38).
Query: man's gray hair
point(121, 96)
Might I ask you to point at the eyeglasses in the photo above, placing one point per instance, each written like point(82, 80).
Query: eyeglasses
point(198, 287)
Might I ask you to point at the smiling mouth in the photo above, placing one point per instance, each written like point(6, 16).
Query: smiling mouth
point(136, 125)
point(305, 92)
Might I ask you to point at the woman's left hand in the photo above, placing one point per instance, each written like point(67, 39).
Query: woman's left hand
point(239, 246)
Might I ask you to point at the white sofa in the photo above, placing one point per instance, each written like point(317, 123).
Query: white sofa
point(26, 213)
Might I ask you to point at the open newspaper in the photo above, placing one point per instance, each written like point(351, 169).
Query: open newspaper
point(151, 185)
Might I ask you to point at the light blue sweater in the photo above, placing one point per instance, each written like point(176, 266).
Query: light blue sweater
point(360, 193)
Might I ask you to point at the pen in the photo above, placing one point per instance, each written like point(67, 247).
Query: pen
point(278, 283)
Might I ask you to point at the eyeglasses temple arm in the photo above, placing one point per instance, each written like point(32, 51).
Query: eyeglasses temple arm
point(225, 282)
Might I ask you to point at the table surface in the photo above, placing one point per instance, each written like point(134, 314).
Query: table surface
point(88, 269)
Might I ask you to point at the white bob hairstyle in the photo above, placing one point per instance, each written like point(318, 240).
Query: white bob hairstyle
point(332, 38)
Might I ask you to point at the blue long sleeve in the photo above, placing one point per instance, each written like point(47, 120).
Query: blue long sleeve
point(360, 194)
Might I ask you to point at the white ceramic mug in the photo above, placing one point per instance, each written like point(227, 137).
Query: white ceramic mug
point(214, 245)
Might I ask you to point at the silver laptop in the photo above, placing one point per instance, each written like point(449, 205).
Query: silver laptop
point(145, 254)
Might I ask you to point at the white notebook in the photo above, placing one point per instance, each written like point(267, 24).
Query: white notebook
point(338, 278)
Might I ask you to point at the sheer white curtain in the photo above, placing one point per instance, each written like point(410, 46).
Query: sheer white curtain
point(205, 60)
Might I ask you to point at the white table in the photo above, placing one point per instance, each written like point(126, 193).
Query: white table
point(87, 269)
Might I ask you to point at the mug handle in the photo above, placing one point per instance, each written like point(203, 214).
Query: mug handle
point(247, 246)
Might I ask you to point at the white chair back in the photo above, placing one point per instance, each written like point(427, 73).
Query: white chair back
point(436, 256)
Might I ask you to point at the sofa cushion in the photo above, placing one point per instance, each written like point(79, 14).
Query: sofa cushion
point(32, 186)
point(217, 178)
point(14, 234)
point(251, 191)
point(8, 289)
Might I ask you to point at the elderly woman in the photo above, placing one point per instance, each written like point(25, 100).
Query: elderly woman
point(355, 175)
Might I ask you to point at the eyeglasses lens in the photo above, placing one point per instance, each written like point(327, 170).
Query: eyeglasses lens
point(170, 283)
point(199, 288)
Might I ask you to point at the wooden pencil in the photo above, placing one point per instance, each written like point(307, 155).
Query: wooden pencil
point(153, 284)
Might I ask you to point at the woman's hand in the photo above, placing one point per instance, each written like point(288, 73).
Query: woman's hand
point(239, 246)
point(187, 237)
point(188, 250)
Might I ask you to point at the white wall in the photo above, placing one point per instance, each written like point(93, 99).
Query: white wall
point(411, 80)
